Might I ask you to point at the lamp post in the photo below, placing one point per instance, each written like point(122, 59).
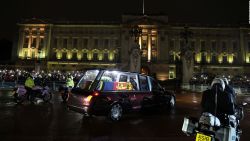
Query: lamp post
point(187, 56)
point(134, 51)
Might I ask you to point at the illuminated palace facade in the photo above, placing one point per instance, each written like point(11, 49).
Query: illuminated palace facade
point(77, 46)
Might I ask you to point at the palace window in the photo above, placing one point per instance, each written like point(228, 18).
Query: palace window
point(203, 45)
point(55, 43)
point(74, 56)
point(33, 44)
point(95, 56)
point(235, 49)
point(106, 43)
point(65, 43)
point(106, 57)
point(249, 46)
point(214, 59)
point(75, 41)
point(214, 44)
point(182, 45)
point(171, 44)
point(26, 42)
point(192, 44)
point(85, 43)
point(96, 43)
point(224, 59)
point(41, 42)
point(116, 42)
point(224, 47)
point(85, 56)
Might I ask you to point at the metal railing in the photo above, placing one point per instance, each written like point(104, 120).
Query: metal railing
point(203, 87)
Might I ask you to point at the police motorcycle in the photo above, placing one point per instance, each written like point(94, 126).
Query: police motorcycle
point(20, 94)
point(40, 92)
point(209, 128)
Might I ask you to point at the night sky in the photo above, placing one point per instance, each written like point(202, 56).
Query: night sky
point(195, 11)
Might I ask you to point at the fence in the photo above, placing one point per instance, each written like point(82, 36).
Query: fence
point(201, 88)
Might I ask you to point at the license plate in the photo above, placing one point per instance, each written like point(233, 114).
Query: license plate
point(202, 137)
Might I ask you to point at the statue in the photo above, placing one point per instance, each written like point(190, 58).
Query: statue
point(135, 52)
point(187, 57)
point(135, 58)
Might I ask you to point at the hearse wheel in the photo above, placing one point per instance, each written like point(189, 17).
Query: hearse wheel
point(115, 112)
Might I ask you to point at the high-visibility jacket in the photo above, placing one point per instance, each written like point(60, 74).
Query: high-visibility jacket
point(70, 82)
point(29, 82)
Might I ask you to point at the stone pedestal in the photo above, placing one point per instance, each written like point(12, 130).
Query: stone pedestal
point(187, 67)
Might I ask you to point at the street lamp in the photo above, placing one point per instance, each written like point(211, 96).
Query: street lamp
point(135, 32)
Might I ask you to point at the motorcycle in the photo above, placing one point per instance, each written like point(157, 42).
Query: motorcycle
point(209, 128)
point(40, 92)
point(20, 94)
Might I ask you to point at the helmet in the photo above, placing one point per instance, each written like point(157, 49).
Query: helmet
point(225, 80)
point(218, 81)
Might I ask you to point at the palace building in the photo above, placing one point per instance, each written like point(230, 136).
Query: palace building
point(77, 46)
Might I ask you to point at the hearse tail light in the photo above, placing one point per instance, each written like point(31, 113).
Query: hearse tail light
point(95, 93)
point(87, 100)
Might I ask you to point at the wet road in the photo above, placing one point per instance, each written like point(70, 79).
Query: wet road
point(53, 122)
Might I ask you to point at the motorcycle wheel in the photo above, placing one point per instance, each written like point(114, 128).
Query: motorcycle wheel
point(18, 99)
point(47, 97)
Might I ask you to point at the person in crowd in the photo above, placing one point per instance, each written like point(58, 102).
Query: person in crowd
point(70, 82)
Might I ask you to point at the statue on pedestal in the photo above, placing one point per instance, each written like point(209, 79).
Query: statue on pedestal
point(135, 58)
point(187, 57)
point(135, 52)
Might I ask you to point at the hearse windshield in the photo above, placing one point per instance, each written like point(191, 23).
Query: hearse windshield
point(87, 79)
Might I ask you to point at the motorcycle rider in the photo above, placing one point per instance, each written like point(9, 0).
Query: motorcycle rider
point(29, 84)
point(217, 101)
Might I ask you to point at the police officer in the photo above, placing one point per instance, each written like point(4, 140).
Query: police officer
point(29, 84)
point(70, 82)
point(217, 101)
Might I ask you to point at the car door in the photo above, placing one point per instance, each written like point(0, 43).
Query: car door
point(157, 92)
point(135, 95)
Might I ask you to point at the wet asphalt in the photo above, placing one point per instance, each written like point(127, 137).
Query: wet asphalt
point(54, 122)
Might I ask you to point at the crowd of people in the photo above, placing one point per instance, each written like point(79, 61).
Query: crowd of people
point(19, 76)
point(241, 80)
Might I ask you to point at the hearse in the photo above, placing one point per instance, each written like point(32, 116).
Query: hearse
point(113, 93)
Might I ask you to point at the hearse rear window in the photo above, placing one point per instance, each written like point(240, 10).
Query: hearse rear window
point(118, 81)
point(87, 79)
